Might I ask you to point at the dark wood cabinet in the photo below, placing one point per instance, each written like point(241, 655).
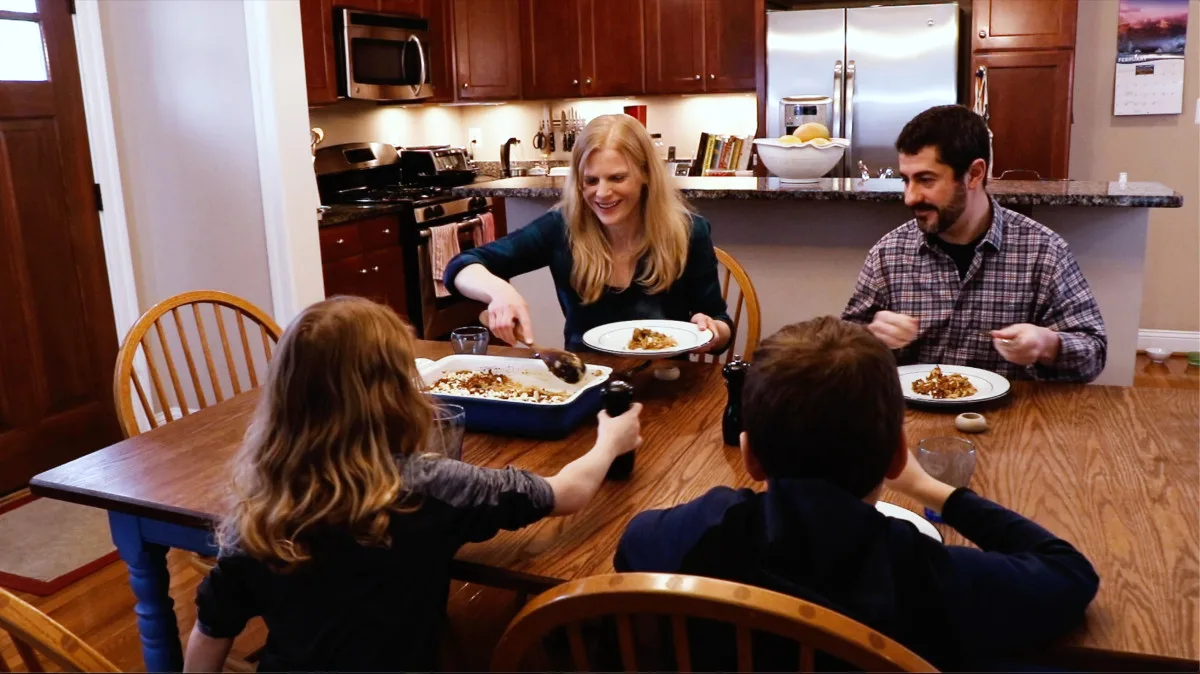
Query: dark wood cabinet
point(487, 50)
point(1029, 95)
point(364, 258)
point(316, 32)
point(550, 54)
point(674, 46)
point(729, 30)
point(612, 44)
point(441, 50)
point(1023, 24)
point(413, 7)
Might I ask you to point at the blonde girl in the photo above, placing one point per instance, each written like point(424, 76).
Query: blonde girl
point(621, 244)
point(341, 528)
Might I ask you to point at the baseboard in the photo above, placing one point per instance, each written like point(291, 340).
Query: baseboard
point(1176, 341)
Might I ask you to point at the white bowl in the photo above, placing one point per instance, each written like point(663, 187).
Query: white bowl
point(802, 162)
point(1158, 355)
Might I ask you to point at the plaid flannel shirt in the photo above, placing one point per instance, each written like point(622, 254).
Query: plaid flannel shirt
point(1022, 273)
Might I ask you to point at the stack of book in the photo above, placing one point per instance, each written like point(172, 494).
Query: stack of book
point(720, 154)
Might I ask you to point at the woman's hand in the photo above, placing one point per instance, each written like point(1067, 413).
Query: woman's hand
point(720, 330)
point(508, 316)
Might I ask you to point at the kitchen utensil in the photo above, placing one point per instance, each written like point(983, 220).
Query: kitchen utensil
point(539, 138)
point(506, 156)
point(801, 162)
point(988, 335)
point(568, 137)
point(472, 339)
point(614, 338)
point(1158, 355)
point(562, 364)
point(550, 134)
point(618, 398)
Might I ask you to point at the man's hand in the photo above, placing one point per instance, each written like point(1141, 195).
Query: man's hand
point(1026, 344)
point(895, 330)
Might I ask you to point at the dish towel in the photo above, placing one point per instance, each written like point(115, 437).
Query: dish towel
point(443, 246)
point(485, 231)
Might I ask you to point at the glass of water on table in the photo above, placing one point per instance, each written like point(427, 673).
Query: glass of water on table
point(950, 460)
point(446, 434)
point(473, 339)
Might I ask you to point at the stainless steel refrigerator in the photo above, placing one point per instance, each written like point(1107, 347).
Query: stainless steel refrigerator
point(880, 66)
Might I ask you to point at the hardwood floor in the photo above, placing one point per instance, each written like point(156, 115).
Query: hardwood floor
point(99, 608)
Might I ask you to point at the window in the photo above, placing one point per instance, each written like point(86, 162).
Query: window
point(22, 51)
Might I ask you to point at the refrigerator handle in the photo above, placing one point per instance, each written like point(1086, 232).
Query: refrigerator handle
point(849, 114)
point(836, 131)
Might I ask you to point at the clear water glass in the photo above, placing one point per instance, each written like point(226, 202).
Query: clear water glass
point(449, 428)
point(951, 460)
point(472, 339)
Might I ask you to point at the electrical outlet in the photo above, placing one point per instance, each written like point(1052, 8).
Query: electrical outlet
point(474, 135)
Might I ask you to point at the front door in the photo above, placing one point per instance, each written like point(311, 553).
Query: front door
point(58, 341)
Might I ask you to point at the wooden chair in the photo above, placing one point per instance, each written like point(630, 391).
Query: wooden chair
point(34, 633)
point(747, 299)
point(138, 343)
point(138, 359)
point(748, 609)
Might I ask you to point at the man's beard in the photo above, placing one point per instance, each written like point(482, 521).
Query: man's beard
point(946, 216)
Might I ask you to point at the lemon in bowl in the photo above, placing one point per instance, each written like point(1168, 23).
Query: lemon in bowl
point(800, 161)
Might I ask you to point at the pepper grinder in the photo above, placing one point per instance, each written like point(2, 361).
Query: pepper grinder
point(618, 398)
point(735, 379)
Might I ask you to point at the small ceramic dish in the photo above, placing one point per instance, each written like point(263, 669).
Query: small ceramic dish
point(1158, 355)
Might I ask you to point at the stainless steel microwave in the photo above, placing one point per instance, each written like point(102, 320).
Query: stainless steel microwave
point(382, 57)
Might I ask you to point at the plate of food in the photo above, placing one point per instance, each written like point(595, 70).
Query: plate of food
point(950, 384)
point(922, 524)
point(648, 339)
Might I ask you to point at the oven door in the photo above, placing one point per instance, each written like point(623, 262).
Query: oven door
point(383, 57)
point(439, 315)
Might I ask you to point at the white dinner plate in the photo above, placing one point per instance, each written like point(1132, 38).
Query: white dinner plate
point(988, 385)
point(922, 524)
point(614, 338)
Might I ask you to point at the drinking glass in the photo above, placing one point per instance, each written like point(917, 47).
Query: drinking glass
point(446, 434)
point(472, 339)
point(951, 460)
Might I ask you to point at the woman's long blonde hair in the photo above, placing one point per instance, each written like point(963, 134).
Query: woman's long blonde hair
point(338, 407)
point(667, 225)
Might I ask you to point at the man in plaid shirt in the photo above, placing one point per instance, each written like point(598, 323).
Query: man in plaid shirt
point(967, 281)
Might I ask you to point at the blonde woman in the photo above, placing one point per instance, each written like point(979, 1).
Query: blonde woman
point(342, 529)
point(621, 245)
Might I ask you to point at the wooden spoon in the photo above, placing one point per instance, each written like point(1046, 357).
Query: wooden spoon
point(562, 364)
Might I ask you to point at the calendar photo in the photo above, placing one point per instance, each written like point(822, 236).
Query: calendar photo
point(1151, 39)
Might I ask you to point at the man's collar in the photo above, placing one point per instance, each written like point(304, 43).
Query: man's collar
point(993, 238)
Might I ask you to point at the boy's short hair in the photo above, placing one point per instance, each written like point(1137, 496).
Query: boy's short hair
point(823, 400)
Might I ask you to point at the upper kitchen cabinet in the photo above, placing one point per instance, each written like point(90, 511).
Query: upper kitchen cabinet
point(695, 46)
point(675, 46)
point(729, 34)
point(487, 49)
point(612, 42)
point(1031, 132)
point(441, 50)
point(316, 32)
point(550, 55)
point(1023, 24)
point(575, 48)
point(414, 7)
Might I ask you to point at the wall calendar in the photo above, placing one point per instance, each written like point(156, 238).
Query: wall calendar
point(1151, 38)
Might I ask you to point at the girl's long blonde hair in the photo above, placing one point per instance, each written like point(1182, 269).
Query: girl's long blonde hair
point(338, 407)
point(667, 225)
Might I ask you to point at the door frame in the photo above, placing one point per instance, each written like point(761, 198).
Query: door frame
point(289, 191)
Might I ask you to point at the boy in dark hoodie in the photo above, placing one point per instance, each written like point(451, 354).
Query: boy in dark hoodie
point(824, 428)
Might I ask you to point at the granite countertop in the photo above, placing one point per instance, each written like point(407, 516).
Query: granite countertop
point(1007, 192)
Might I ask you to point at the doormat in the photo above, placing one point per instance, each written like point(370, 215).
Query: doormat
point(49, 544)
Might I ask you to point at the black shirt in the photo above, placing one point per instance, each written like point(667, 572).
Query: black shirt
point(543, 243)
point(952, 605)
point(356, 608)
point(963, 254)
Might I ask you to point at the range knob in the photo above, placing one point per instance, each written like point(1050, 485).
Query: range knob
point(439, 211)
point(477, 202)
point(430, 212)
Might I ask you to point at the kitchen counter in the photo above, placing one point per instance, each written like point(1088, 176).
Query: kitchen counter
point(877, 190)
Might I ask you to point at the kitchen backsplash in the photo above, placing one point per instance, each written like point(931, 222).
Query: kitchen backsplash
point(680, 120)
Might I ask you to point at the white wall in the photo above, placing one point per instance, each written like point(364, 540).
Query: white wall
point(680, 119)
point(184, 121)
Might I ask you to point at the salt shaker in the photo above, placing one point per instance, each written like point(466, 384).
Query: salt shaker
point(735, 379)
point(618, 398)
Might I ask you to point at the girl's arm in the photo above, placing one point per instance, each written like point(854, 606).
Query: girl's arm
point(579, 480)
point(204, 653)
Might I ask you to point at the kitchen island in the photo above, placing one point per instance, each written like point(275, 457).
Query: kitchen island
point(804, 244)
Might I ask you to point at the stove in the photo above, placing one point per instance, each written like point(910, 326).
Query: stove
point(390, 195)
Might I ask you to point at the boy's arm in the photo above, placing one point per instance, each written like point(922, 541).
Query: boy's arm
point(204, 653)
point(660, 540)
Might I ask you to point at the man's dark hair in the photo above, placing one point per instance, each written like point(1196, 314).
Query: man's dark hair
point(959, 135)
point(823, 400)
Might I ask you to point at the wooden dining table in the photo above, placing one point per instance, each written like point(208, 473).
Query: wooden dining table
point(1114, 470)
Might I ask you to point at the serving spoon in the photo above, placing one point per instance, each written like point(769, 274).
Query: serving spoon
point(565, 365)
